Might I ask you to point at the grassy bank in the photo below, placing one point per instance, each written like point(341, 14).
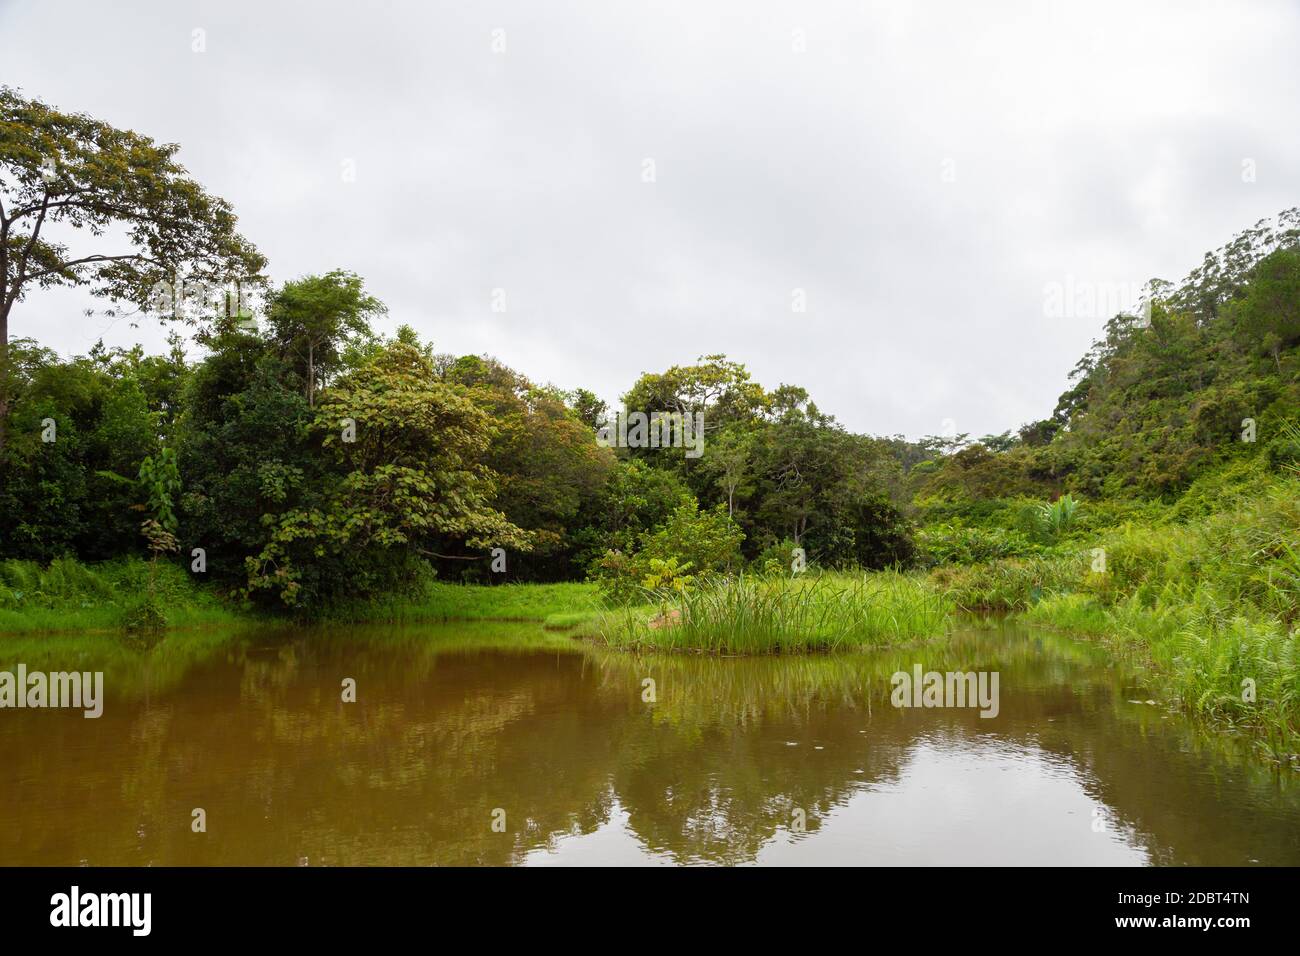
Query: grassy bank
point(555, 605)
point(753, 614)
point(1205, 607)
point(69, 596)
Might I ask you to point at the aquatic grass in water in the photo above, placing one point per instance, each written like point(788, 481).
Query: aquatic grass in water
point(753, 614)
point(1238, 669)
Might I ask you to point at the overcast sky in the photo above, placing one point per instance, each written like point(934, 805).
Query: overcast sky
point(923, 172)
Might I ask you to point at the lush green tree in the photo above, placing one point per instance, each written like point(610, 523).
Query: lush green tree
point(781, 468)
point(79, 431)
point(591, 411)
point(1268, 312)
point(1224, 274)
point(635, 498)
point(1038, 433)
point(716, 387)
point(978, 472)
point(731, 461)
point(160, 485)
point(705, 540)
point(690, 543)
point(404, 477)
point(882, 534)
point(244, 450)
point(66, 173)
point(1003, 442)
point(549, 468)
point(315, 319)
point(801, 463)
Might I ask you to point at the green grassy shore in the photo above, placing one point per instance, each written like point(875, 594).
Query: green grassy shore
point(1202, 601)
point(67, 596)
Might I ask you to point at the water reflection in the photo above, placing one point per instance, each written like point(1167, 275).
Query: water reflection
point(452, 723)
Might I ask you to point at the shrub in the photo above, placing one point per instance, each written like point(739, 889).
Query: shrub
point(954, 543)
point(702, 542)
point(777, 558)
point(1011, 585)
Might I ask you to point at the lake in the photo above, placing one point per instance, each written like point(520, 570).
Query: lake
point(501, 744)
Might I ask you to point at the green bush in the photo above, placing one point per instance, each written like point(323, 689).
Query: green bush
point(776, 558)
point(69, 595)
point(689, 545)
point(1054, 518)
point(1012, 584)
point(952, 543)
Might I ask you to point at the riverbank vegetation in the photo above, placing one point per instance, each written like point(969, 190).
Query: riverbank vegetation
point(1180, 440)
point(297, 464)
point(1206, 608)
point(776, 614)
point(558, 605)
point(67, 595)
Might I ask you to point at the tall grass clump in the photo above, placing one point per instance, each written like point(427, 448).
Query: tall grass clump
point(771, 614)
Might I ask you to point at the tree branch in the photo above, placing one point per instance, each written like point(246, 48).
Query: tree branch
point(21, 273)
point(451, 557)
point(83, 261)
point(63, 203)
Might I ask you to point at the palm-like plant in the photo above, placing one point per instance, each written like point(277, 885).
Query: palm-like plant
point(1054, 517)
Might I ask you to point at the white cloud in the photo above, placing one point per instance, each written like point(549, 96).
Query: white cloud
point(1101, 141)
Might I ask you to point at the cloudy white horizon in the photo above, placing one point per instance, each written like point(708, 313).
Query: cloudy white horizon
point(648, 184)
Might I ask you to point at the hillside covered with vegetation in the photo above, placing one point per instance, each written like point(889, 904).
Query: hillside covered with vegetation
point(1158, 508)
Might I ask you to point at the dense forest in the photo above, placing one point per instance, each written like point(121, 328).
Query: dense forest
point(445, 458)
point(299, 458)
point(312, 459)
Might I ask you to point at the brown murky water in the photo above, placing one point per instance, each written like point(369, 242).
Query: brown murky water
point(770, 761)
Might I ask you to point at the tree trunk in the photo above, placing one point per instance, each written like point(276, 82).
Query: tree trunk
point(4, 372)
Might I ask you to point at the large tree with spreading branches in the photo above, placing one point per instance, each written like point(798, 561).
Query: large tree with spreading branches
point(85, 204)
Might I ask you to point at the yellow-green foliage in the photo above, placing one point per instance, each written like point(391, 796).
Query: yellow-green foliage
point(567, 602)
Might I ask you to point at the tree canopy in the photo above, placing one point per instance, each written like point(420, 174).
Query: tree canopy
point(85, 204)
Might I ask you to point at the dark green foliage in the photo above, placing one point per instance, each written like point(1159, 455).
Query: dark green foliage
point(244, 453)
point(78, 431)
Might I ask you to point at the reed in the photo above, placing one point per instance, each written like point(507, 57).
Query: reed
point(765, 614)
